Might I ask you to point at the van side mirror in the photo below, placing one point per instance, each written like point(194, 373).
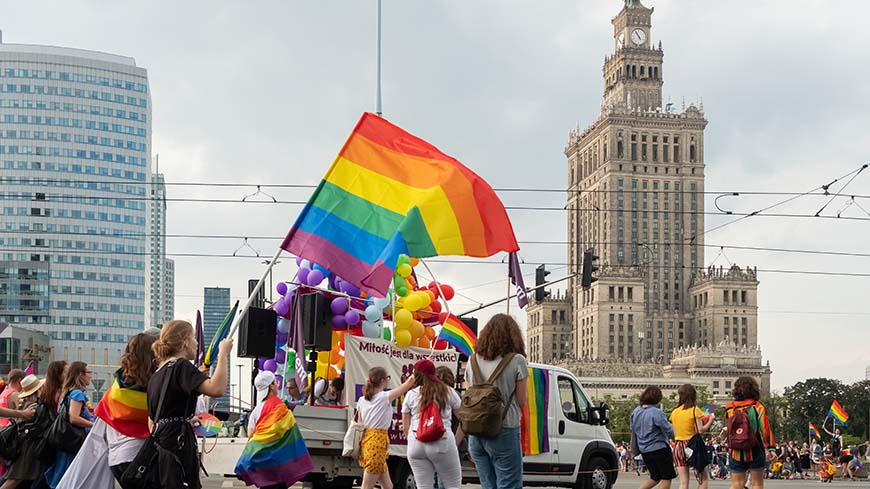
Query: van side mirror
point(599, 415)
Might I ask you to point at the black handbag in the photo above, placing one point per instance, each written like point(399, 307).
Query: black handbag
point(143, 468)
point(10, 441)
point(698, 460)
point(62, 434)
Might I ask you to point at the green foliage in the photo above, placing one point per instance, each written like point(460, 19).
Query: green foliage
point(810, 400)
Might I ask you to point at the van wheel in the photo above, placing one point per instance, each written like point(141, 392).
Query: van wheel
point(595, 475)
point(404, 476)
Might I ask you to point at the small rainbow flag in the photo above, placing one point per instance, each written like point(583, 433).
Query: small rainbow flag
point(534, 431)
point(388, 193)
point(220, 334)
point(457, 333)
point(709, 409)
point(276, 451)
point(838, 413)
point(209, 425)
point(125, 409)
point(814, 432)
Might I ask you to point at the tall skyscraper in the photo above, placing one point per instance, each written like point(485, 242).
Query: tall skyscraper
point(169, 290)
point(216, 304)
point(159, 280)
point(636, 183)
point(75, 152)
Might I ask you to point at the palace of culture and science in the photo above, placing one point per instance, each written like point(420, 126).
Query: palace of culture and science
point(636, 196)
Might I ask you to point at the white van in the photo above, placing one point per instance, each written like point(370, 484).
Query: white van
point(581, 454)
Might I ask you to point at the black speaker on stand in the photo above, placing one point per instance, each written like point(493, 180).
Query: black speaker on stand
point(257, 333)
point(316, 322)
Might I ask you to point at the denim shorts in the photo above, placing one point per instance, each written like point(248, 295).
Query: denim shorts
point(759, 461)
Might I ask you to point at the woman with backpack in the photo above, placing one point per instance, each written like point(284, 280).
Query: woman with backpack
point(177, 460)
point(750, 439)
point(499, 359)
point(651, 431)
point(426, 415)
point(78, 377)
point(688, 421)
point(376, 414)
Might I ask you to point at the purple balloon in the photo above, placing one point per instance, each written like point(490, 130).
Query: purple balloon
point(281, 288)
point(280, 356)
point(352, 317)
point(332, 282)
point(261, 363)
point(338, 305)
point(270, 365)
point(281, 338)
point(281, 308)
point(279, 379)
point(338, 322)
point(349, 289)
point(314, 278)
point(299, 261)
point(302, 275)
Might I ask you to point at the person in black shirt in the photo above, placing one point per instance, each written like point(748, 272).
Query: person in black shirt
point(178, 464)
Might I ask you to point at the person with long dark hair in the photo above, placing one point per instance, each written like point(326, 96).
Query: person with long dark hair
point(28, 467)
point(688, 420)
point(651, 431)
point(178, 463)
point(442, 455)
point(746, 399)
point(499, 459)
point(77, 379)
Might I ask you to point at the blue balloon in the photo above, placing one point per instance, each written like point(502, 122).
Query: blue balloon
point(373, 313)
point(284, 325)
point(371, 330)
point(326, 273)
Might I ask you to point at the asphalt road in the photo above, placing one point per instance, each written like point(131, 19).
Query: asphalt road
point(626, 481)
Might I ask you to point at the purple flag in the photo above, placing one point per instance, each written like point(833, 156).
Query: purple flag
point(29, 369)
point(297, 343)
point(516, 275)
point(200, 341)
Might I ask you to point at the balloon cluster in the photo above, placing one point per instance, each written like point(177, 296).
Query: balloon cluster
point(413, 309)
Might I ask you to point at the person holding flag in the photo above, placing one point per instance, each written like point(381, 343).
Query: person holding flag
point(840, 416)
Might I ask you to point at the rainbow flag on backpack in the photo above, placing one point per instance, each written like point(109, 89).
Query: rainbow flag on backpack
point(534, 431)
point(276, 451)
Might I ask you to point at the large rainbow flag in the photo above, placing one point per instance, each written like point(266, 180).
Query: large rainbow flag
point(276, 451)
point(458, 334)
point(220, 335)
point(125, 409)
point(814, 432)
point(838, 413)
point(389, 193)
point(534, 430)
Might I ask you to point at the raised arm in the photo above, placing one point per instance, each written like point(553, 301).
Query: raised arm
point(702, 426)
point(400, 391)
point(216, 386)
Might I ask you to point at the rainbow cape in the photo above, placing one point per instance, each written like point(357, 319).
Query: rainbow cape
point(220, 334)
point(458, 334)
point(276, 451)
point(838, 413)
point(534, 431)
point(814, 432)
point(389, 193)
point(124, 409)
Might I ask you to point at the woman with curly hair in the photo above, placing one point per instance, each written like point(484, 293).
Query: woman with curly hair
point(746, 399)
point(500, 350)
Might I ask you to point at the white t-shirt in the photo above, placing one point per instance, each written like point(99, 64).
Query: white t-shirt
point(122, 448)
point(412, 399)
point(377, 413)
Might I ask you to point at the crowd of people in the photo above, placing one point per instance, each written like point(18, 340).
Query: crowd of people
point(660, 445)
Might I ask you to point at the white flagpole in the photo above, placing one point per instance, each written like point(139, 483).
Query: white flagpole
point(446, 305)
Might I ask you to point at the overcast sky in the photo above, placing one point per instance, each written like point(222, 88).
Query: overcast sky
point(267, 91)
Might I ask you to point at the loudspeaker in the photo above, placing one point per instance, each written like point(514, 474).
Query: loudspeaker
point(316, 322)
point(260, 299)
point(257, 333)
point(472, 325)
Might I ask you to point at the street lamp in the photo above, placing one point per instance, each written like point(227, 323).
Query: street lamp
point(239, 380)
point(271, 288)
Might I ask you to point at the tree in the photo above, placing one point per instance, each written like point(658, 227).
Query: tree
point(856, 402)
point(806, 402)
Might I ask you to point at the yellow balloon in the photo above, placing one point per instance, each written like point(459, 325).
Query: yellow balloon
point(322, 368)
point(424, 299)
point(403, 318)
point(323, 357)
point(403, 338)
point(413, 302)
point(404, 270)
point(417, 329)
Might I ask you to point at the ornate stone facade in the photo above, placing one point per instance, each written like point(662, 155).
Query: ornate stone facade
point(636, 196)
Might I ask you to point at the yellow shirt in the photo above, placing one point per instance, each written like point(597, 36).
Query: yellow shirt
point(684, 422)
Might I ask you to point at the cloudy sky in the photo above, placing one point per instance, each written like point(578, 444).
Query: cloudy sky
point(266, 92)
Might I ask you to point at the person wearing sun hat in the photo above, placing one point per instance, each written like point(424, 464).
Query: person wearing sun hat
point(276, 456)
point(30, 385)
point(442, 455)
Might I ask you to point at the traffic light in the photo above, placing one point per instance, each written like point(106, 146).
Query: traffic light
point(540, 279)
point(589, 268)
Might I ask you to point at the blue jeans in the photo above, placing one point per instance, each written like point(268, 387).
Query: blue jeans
point(499, 459)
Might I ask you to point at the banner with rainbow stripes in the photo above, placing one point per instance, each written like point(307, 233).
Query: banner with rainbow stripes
point(535, 432)
point(838, 413)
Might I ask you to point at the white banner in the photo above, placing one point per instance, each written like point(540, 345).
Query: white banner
point(362, 353)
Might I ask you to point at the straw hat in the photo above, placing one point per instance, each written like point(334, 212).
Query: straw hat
point(29, 386)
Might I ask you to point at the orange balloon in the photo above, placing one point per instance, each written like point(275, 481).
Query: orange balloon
point(416, 329)
point(415, 261)
point(340, 364)
point(334, 356)
point(429, 333)
point(412, 284)
point(424, 342)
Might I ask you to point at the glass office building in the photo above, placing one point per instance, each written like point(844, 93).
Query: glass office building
point(75, 151)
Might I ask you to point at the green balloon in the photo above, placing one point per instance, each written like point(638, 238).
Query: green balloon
point(387, 334)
